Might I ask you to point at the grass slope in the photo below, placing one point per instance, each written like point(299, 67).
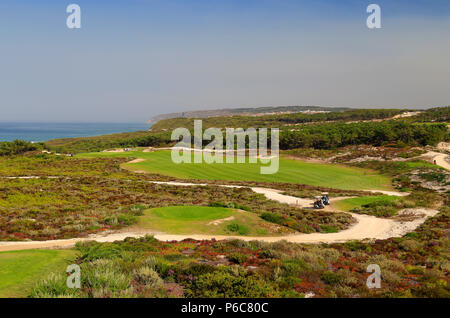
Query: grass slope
point(199, 220)
point(290, 171)
point(20, 270)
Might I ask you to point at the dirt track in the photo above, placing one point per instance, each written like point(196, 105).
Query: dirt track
point(440, 158)
point(367, 227)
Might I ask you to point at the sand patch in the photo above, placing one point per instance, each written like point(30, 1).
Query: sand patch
point(136, 161)
point(444, 146)
point(217, 222)
point(114, 150)
point(440, 159)
point(406, 114)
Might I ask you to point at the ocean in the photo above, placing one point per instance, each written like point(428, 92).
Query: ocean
point(35, 132)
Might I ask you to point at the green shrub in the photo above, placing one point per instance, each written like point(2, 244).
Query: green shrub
point(410, 245)
point(18, 147)
point(289, 282)
point(230, 205)
point(94, 250)
point(55, 285)
point(126, 219)
point(195, 269)
point(329, 229)
point(104, 275)
point(331, 278)
point(226, 285)
point(272, 217)
point(238, 258)
point(355, 245)
point(412, 235)
point(293, 267)
point(148, 277)
point(235, 227)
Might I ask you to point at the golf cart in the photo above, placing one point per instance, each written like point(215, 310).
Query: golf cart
point(318, 203)
point(325, 199)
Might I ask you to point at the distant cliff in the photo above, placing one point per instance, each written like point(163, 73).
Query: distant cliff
point(257, 111)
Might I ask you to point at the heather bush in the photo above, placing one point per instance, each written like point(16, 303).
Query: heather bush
point(331, 278)
point(225, 285)
point(148, 277)
point(410, 245)
point(238, 258)
point(239, 228)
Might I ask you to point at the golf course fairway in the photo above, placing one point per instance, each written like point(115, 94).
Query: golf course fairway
point(290, 171)
point(20, 270)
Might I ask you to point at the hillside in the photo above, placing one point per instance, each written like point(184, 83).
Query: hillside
point(279, 120)
point(257, 111)
point(323, 130)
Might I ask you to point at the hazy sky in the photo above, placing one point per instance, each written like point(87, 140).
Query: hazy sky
point(133, 59)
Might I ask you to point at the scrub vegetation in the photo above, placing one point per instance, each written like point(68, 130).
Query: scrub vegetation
point(18, 147)
point(49, 196)
point(98, 143)
point(415, 265)
point(77, 197)
point(297, 130)
point(278, 120)
point(381, 206)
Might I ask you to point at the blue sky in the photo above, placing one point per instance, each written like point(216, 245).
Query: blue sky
point(135, 59)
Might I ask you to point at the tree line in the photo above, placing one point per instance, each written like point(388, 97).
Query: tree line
point(18, 147)
point(333, 135)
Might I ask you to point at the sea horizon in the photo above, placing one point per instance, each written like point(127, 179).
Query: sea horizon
point(40, 131)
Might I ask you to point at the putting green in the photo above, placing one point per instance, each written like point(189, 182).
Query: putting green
point(192, 213)
point(290, 171)
point(20, 270)
point(351, 203)
point(206, 220)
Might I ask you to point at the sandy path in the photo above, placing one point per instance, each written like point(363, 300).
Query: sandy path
point(441, 161)
point(440, 158)
point(393, 193)
point(136, 160)
point(276, 195)
point(367, 227)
